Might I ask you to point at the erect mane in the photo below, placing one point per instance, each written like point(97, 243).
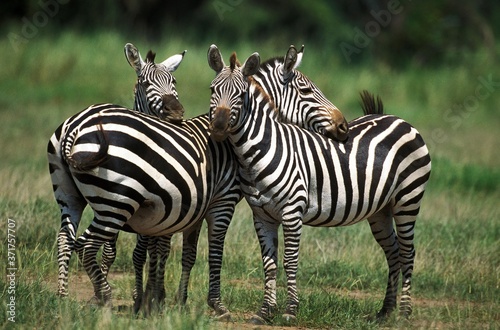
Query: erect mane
point(370, 105)
point(150, 56)
point(233, 61)
point(265, 96)
point(278, 59)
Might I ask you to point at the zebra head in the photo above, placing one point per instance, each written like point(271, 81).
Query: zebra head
point(299, 100)
point(227, 89)
point(155, 92)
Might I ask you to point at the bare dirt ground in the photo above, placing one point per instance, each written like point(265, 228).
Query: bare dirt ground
point(81, 288)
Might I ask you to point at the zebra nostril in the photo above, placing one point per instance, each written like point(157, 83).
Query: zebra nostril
point(344, 128)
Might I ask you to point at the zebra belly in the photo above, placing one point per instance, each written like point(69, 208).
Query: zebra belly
point(150, 220)
point(334, 211)
point(326, 211)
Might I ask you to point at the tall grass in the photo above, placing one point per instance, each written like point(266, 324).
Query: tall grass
point(342, 271)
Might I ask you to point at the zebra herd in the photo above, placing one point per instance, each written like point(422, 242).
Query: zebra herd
point(270, 136)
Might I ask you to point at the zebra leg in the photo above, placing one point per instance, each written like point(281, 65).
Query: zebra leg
point(148, 297)
point(382, 229)
point(292, 230)
point(71, 204)
point(162, 253)
point(71, 212)
point(267, 233)
point(108, 255)
point(65, 245)
point(139, 258)
point(87, 246)
point(405, 228)
point(217, 230)
point(189, 249)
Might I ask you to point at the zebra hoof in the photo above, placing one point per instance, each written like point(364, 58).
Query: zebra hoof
point(226, 317)
point(257, 320)
point(405, 314)
point(289, 318)
point(94, 302)
point(137, 306)
point(382, 316)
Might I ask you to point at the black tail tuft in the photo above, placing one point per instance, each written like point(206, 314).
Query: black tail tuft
point(370, 105)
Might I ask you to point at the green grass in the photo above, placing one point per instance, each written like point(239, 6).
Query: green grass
point(342, 271)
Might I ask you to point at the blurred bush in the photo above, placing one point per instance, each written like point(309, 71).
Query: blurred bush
point(396, 32)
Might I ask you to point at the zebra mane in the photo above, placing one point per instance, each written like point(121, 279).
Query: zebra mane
point(150, 56)
point(233, 61)
point(265, 97)
point(370, 105)
point(270, 61)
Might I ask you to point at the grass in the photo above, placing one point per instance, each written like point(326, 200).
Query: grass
point(342, 272)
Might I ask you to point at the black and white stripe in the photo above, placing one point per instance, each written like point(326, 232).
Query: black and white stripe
point(293, 177)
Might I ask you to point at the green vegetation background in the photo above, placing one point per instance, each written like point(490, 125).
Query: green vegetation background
point(434, 64)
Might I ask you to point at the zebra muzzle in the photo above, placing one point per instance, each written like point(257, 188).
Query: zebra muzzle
point(339, 129)
point(172, 109)
point(219, 124)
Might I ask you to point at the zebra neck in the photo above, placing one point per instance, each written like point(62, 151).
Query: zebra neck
point(268, 77)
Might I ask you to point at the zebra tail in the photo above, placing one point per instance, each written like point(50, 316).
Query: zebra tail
point(85, 161)
point(370, 105)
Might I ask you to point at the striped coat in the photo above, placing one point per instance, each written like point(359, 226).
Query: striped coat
point(292, 177)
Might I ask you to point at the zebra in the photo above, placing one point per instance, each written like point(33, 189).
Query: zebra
point(91, 161)
point(292, 177)
point(155, 94)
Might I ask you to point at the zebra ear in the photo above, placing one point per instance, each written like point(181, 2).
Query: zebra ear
point(215, 60)
point(173, 62)
point(292, 61)
point(251, 65)
point(134, 58)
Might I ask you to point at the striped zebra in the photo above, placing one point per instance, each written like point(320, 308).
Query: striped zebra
point(155, 94)
point(110, 157)
point(292, 177)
